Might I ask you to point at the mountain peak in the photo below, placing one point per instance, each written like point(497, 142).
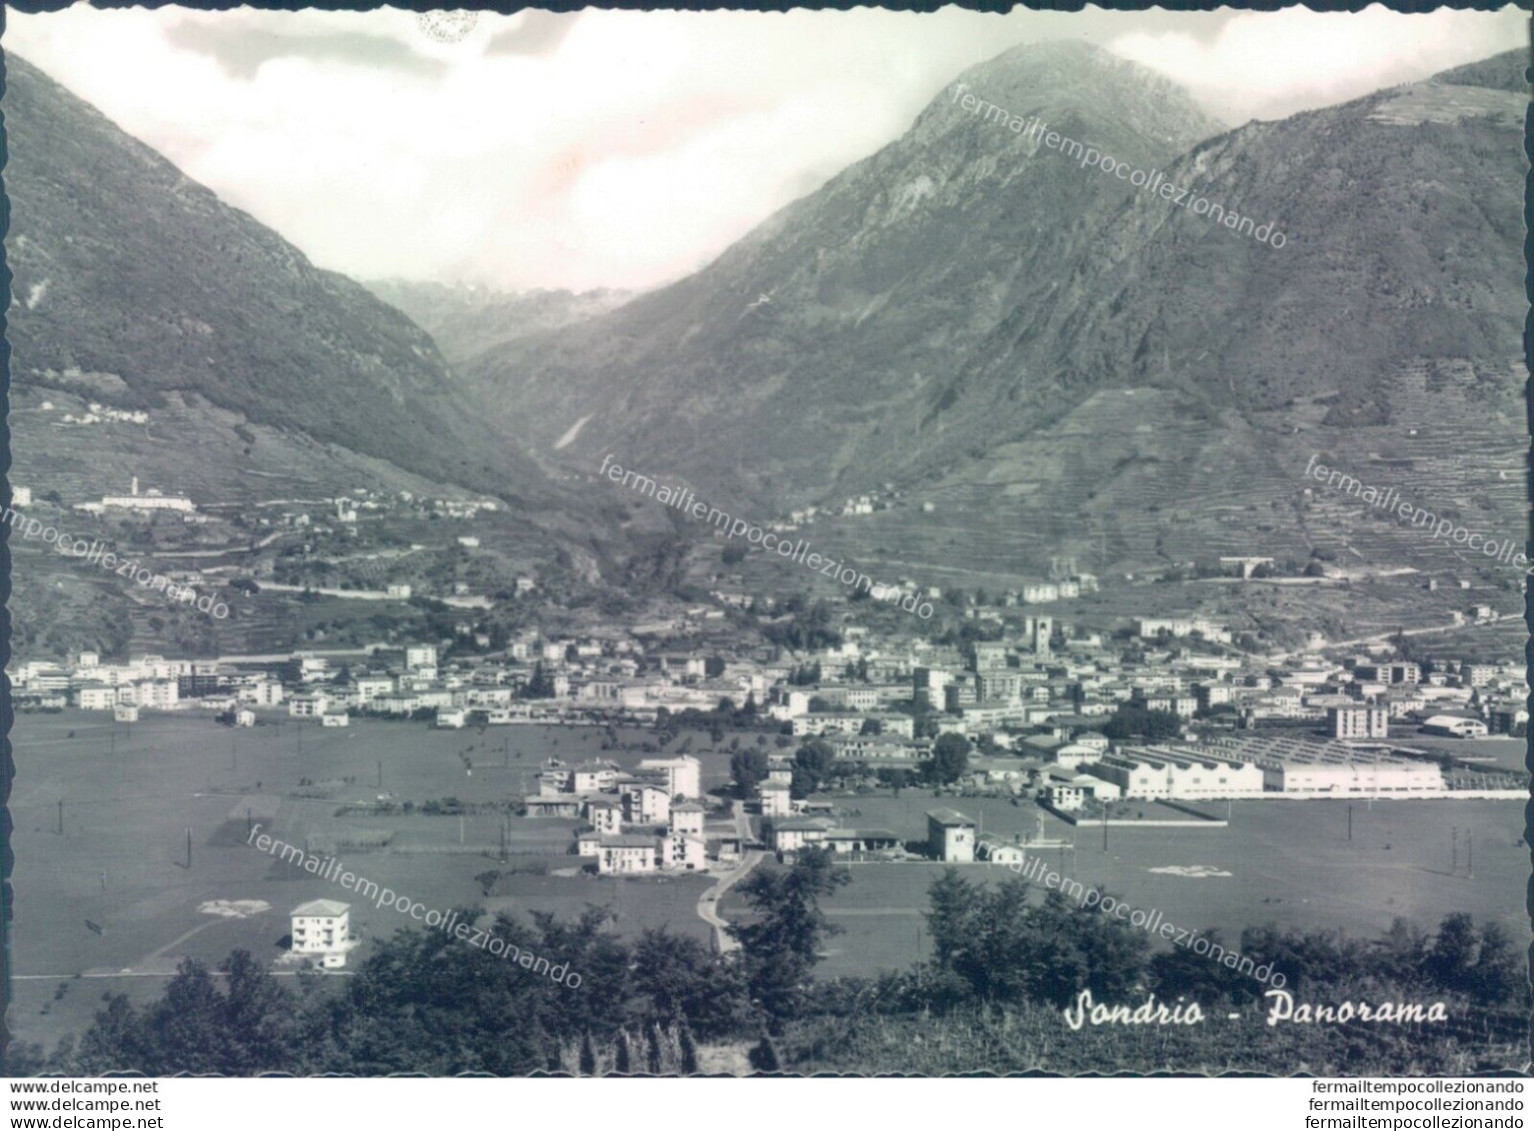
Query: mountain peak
point(1072, 85)
point(1066, 68)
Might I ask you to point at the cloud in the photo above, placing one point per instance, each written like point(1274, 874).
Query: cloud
point(241, 52)
point(537, 33)
point(619, 148)
point(1272, 64)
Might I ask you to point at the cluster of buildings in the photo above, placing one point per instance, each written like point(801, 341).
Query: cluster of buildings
point(96, 413)
point(1044, 674)
point(881, 701)
point(1038, 702)
point(867, 699)
point(646, 821)
point(310, 523)
point(1253, 765)
point(363, 502)
point(150, 682)
point(952, 838)
point(150, 502)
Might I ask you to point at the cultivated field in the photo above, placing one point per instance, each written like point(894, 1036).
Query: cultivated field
point(129, 799)
point(130, 792)
point(1289, 862)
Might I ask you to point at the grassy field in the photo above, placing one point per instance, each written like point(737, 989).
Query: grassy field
point(1289, 862)
point(130, 793)
point(1506, 753)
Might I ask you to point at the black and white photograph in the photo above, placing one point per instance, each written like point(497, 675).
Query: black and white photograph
point(593, 544)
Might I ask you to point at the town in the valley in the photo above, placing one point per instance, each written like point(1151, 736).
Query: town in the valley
point(884, 742)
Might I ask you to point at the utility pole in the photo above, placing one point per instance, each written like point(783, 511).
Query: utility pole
point(189, 849)
point(248, 828)
point(380, 773)
point(460, 828)
point(1350, 822)
point(61, 818)
point(1454, 840)
point(1105, 826)
point(1470, 852)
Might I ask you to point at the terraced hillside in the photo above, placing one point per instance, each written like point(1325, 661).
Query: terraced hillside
point(1142, 385)
point(877, 285)
point(263, 377)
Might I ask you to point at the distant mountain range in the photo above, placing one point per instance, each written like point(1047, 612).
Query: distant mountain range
point(964, 316)
point(848, 311)
point(1021, 357)
point(132, 282)
point(467, 321)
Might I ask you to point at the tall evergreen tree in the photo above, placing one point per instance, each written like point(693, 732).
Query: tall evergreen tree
point(588, 1061)
point(782, 943)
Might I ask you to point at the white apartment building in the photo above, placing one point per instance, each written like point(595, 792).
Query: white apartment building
point(827, 723)
point(1478, 675)
point(308, 706)
point(160, 695)
point(684, 776)
point(322, 928)
point(684, 852)
point(594, 777)
point(605, 815)
point(687, 818)
point(645, 804)
point(1065, 796)
point(790, 834)
point(96, 698)
point(1363, 721)
point(777, 800)
point(370, 687)
point(261, 693)
point(626, 855)
point(951, 836)
point(1400, 672)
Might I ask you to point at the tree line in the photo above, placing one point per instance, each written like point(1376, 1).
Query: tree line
point(424, 1002)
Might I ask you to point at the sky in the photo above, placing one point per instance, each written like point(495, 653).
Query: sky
point(626, 149)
